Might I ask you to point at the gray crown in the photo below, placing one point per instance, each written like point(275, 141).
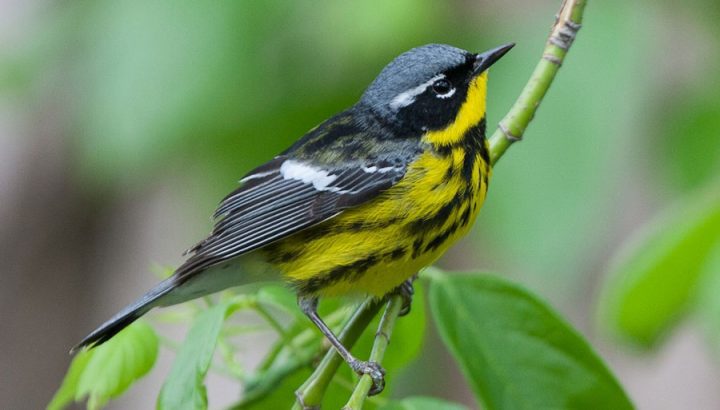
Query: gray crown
point(408, 70)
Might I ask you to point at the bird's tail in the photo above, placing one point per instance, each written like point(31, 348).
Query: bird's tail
point(126, 316)
point(247, 270)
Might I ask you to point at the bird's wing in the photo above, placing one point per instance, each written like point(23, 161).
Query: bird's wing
point(285, 196)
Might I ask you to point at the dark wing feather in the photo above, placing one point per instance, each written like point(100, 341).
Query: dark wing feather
point(272, 204)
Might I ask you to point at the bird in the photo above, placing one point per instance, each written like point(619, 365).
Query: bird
point(356, 206)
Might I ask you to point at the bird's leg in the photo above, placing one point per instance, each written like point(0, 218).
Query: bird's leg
point(374, 370)
point(406, 292)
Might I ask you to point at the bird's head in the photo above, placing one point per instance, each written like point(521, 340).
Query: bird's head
point(433, 88)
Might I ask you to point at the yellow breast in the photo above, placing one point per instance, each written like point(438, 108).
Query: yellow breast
point(373, 248)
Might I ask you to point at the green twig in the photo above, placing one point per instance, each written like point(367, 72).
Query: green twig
point(310, 394)
point(512, 127)
point(382, 340)
point(282, 360)
point(299, 337)
point(284, 336)
point(231, 365)
point(271, 320)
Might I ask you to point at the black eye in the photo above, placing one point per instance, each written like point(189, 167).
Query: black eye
point(442, 86)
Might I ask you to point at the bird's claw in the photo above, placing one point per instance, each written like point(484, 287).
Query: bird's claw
point(406, 292)
point(376, 373)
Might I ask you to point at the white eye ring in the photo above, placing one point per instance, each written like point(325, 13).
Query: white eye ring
point(447, 94)
point(443, 88)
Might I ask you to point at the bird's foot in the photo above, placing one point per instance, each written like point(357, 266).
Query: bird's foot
point(372, 369)
point(406, 292)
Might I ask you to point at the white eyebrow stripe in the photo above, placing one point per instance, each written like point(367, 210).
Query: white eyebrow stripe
point(407, 97)
point(319, 178)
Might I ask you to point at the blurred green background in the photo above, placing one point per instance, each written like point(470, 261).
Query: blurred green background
point(122, 124)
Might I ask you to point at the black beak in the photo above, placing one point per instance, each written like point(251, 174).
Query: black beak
point(483, 61)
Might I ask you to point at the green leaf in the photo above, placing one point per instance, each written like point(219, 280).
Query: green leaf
point(106, 371)
point(655, 277)
point(689, 161)
point(422, 403)
point(282, 396)
point(66, 392)
point(117, 363)
point(184, 387)
point(273, 374)
point(708, 306)
point(515, 351)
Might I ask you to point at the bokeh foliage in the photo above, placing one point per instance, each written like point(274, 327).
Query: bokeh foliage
point(206, 91)
point(514, 350)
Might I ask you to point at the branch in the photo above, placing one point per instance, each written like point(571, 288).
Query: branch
point(284, 359)
point(310, 394)
point(512, 127)
point(382, 340)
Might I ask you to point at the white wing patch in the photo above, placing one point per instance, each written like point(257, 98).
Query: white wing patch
point(407, 97)
point(322, 180)
point(373, 169)
point(319, 178)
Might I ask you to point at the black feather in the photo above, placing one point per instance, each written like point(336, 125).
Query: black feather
point(126, 316)
point(269, 206)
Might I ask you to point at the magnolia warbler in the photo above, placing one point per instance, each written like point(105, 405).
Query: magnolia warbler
point(359, 204)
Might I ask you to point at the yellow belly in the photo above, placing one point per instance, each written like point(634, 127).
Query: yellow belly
point(373, 248)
